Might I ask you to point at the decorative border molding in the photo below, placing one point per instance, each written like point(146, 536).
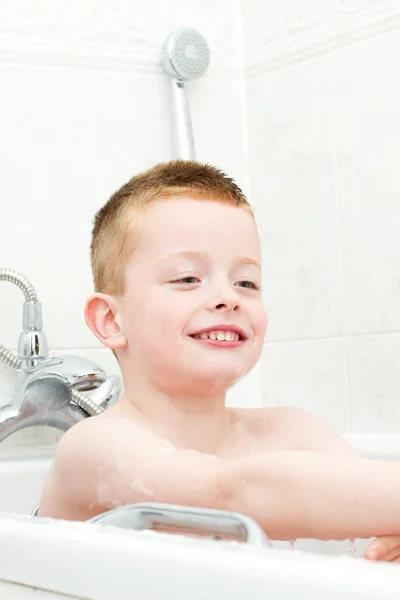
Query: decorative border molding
point(275, 56)
point(138, 61)
point(51, 53)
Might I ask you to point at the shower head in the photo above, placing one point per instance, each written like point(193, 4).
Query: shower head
point(185, 55)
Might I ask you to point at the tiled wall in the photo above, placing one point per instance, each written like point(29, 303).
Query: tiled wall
point(84, 106)
point(323, 108)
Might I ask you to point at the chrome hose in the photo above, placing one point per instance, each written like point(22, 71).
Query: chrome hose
point(85, 403)
point(9, 358)
point(22, 282)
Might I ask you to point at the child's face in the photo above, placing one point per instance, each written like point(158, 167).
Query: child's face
point(196, 267)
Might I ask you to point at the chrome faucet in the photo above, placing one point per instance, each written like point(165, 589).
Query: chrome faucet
point(53, 391)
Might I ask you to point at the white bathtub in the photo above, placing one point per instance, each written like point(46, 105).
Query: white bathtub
point(42, 559)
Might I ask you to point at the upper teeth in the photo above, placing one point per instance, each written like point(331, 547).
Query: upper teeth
point(222, 336)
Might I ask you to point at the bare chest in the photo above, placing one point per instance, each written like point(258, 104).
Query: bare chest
point(251, 435)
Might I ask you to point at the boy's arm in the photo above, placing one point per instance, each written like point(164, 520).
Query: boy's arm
point(310, 495)
point(101, 464)
point(290, 494)
point(314, 434)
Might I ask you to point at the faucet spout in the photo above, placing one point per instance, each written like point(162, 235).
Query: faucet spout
point(8, 422)
point(12, 420)
point(40, 399)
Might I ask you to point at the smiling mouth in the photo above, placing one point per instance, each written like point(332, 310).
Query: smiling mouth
point(218, 335)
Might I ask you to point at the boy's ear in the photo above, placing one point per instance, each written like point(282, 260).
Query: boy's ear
point(100, 316)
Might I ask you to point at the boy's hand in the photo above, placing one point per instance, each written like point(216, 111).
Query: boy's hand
point(385, 547)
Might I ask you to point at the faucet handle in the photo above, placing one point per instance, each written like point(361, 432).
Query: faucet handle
point(107, 393)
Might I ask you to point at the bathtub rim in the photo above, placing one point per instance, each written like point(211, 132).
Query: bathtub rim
point(121, 559)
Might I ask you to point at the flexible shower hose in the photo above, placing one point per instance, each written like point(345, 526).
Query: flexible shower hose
point(8, 357)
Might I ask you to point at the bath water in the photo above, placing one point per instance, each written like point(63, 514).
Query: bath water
point(352, 549)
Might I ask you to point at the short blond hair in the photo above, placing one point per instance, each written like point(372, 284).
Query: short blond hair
point(112, 243)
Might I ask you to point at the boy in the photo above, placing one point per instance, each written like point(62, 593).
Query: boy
point(176, 263)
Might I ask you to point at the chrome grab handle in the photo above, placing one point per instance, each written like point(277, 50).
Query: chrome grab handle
point(206, 520)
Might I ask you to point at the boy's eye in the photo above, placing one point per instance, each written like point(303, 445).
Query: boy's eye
point(188, 279)
point(249, 284)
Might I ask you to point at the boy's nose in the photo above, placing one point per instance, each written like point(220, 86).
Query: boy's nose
point(227, 306)
point(224, 302)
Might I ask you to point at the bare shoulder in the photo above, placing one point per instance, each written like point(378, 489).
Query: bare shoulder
point(97, 434)
point(96, 443)
point(293, 428)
